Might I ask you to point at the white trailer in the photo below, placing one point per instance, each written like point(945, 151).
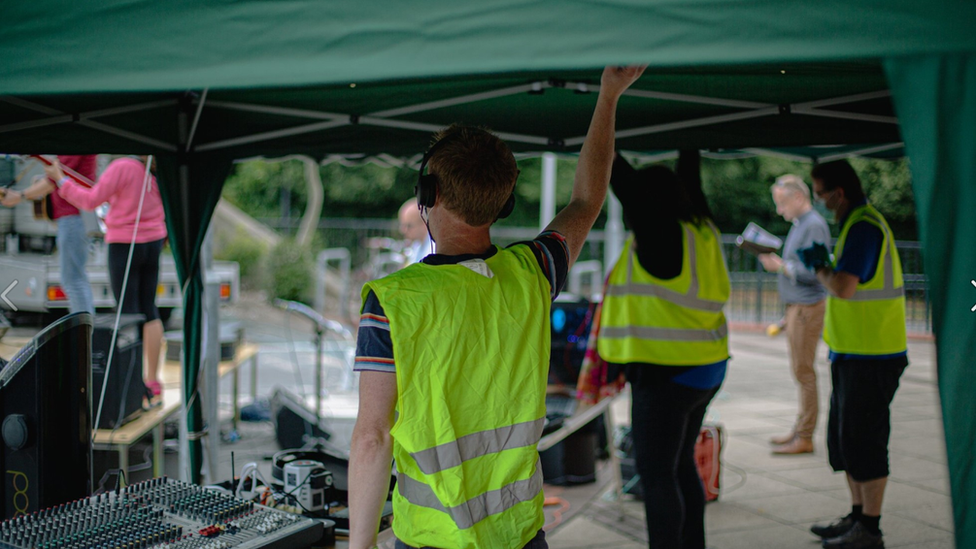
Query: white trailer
point(30, 277)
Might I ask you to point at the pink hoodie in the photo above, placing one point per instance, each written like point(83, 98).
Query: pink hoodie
point(120, 186)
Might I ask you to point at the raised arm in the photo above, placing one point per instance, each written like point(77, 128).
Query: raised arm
point(596, 157)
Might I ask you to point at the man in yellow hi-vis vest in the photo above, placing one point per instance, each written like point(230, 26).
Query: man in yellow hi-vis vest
point(453, 352)
point(864, 328)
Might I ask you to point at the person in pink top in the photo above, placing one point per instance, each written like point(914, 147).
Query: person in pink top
point(121, 186)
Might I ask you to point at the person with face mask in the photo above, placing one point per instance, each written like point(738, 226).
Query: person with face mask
point(864, 328)
point(804, 297)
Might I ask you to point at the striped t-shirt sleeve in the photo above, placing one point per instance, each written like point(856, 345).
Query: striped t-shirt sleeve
point(552, 253)
point(374, 347)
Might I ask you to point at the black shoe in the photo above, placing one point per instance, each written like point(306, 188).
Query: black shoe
point(857, 537)
point(837, 528)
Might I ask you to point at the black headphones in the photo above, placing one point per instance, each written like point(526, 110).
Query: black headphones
point(426, 189)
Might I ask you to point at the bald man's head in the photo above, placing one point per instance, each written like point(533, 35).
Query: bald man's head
point(411, 225)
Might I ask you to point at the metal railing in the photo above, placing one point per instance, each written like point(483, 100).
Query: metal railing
point(754, 299)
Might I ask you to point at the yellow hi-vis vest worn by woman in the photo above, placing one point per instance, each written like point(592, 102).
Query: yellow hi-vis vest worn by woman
point(472, 359)
point(676, 322)
point(872, 322)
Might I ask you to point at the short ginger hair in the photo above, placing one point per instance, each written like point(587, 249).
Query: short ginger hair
point(475, 173)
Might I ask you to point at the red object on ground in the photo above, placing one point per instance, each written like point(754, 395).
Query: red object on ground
point(708, 459)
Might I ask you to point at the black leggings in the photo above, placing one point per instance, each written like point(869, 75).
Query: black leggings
point(140, 293)
point(665, 420)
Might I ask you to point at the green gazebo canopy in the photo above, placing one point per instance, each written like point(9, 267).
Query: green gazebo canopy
point(200, 83)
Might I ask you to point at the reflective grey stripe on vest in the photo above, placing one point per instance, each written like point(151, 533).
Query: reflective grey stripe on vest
point(665, 334)
point(689, 299)
point(877, 295)
point(477, 508)
point(452, 454)
point(889, 291)
point(671, 296)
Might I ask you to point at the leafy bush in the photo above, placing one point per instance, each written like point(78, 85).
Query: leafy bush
point(289, 270)
point(248, 253)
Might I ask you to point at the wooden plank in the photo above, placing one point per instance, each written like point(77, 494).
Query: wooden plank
point(10, 345)
point(170, 373)
point(141, 426)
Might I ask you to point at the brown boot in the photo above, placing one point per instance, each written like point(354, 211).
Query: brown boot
point(782, 439)
point(796, 446)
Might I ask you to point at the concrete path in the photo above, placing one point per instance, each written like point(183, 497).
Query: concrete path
point(770, 501)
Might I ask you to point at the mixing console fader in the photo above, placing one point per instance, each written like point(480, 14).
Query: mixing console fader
point(156, 513)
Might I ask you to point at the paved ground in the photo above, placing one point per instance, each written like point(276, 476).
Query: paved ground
point(767, 501)
point(770, 501)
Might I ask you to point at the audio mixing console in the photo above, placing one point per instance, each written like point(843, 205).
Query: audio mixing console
point(156, 513)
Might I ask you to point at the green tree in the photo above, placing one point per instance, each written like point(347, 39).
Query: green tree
point(256, 187)
point(737, 190)
point(888, 186)
point(290, 272)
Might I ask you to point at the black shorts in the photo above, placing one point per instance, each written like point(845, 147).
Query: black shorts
point(140, 291)
point(859, 424)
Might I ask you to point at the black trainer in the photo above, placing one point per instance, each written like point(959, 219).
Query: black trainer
point(858, 537)
point(834, 529)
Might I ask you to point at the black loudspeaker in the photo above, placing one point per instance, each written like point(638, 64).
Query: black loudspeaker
point(125, 387)
point(573, 460)
point(295, 425)
point(45, 457)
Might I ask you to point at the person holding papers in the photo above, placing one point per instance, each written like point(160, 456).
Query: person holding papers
point(804, 298)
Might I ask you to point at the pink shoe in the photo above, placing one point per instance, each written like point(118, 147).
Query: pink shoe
point(155, 387)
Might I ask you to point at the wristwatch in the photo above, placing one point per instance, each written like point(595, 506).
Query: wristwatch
point(62, 181)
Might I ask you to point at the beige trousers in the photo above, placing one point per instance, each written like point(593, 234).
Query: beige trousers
point(804, 326)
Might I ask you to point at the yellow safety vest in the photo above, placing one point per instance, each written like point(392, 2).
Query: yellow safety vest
point(872, 322)
point(676, 322)
point(472, 358)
